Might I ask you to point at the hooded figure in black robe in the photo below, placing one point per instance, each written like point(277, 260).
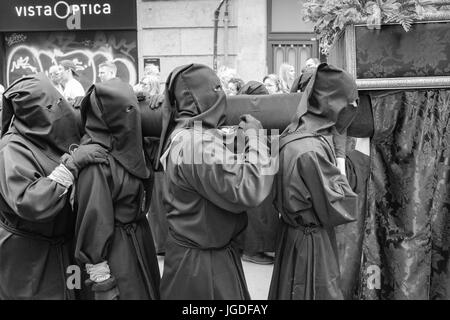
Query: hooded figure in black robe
point(208, 189)
point(261, 232)
point(113, 237)
point(300, 83)
point(312, 195)
point(339, 140)
point(36, 217)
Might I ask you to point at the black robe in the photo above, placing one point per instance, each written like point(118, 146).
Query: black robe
point(112, 200)
point(112, 226)
point(208, 191)
point(306, 265)
point(206, 206)
point(306, 260)
point(36, 224)
point(262, 229)
point(157, 214)
point(36, 217)
point(312, 195)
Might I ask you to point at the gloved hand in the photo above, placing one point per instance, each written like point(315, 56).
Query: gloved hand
point(105, 290)
point(83, 156)
point(76, 103)
point(249, 122)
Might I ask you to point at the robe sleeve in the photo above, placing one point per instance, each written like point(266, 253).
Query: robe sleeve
point(293, 200)
point(24, 187)
point(339, 142)
point(333, 200)
point(358, 168)
point(95, 215)
point(232, 183)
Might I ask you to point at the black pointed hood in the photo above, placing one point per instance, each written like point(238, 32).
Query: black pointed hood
point(253, 88)
point(33, 107)
point(326, 102)
point(111, 117)
point(193, 93)
point(302, 81)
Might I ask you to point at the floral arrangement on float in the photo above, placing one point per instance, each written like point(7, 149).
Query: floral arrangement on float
point(385, 44)
point(331, 16)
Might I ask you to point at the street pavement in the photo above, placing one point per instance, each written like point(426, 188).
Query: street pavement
point(257, 276)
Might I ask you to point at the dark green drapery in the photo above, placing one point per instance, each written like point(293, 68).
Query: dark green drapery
point(404, 235)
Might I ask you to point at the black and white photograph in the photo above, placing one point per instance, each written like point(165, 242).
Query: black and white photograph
point(224, 154)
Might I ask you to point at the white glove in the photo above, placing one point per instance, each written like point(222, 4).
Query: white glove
point(341, 165)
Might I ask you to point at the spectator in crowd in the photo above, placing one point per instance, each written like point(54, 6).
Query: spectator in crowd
point(287, 75)
point(72, 87)
point(225, 74)
point(300, 83)
point(273, 84)
point(107, 70)
point(312, 63)
point(148, 86)
point(39, 167)
point(152, 70)
point(55, 75)
point(234, 86)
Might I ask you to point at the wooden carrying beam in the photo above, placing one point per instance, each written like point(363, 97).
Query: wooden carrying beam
point(274, 112)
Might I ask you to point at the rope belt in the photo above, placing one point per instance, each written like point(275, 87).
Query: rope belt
point(130, 229)
point(190, 245)
point(56, 241)
point(308, 230)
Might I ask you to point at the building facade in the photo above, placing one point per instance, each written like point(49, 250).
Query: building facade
point(253, 36)
point(36, 34)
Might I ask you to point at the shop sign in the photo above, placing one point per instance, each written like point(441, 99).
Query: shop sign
point(50, 15)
